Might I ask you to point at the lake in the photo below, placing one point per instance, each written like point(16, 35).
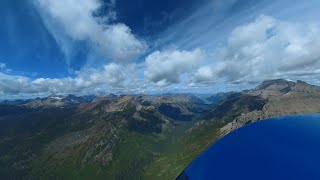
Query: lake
point(279, 148)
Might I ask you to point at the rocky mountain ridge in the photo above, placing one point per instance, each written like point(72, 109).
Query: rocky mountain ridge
point(51, 101)
point(280, 87)
point(281, 98)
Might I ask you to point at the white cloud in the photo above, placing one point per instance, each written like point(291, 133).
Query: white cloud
point(87, 81)
point(266, 48)
point(77, 20)
point(167, 67)
point(112, 74)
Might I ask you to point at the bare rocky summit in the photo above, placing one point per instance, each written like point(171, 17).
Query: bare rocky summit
point(281, 98)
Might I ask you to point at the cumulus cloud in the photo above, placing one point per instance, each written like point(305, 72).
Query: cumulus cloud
point(87, 81)
point(266, 48)
point(79, 21)
point(167, 67)
point(112, 74)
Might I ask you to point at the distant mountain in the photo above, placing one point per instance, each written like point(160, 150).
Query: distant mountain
point(216, 98)
point(52, 101)
point(15, 102)
point(132, 136)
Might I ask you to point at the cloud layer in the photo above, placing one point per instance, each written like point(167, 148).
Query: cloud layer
point(266, 48)
point(86, 81)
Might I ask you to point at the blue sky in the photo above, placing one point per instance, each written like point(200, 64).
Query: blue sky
point(125, 46)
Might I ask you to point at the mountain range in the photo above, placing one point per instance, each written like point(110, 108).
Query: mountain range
point(133, 136)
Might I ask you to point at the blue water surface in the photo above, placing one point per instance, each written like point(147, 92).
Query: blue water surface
point(285, 148)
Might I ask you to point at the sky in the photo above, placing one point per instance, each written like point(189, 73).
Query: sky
point(99, 47)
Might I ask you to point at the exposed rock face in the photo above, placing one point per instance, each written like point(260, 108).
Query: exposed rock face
point(282, 98)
